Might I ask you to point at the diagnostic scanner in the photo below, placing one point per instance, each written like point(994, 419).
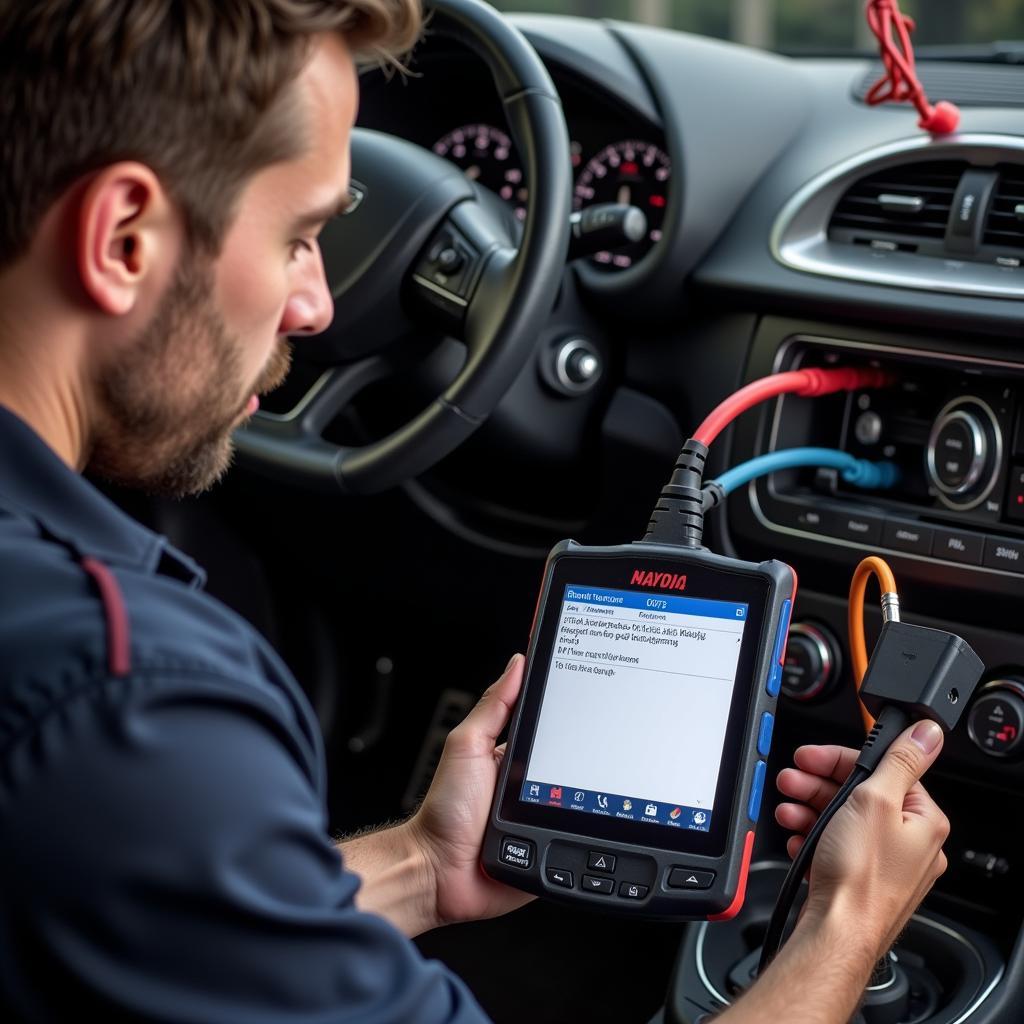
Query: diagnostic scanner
point(637, 754)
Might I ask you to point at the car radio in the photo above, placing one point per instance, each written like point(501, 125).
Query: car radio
point(955, 429)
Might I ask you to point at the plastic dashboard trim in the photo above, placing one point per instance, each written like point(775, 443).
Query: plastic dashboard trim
point(799, 233)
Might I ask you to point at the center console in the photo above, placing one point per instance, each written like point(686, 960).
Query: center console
point(953, 531)
point(955, 427)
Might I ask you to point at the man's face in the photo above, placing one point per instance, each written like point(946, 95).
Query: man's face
point(169, 402)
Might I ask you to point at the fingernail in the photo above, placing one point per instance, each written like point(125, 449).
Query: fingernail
point(511, 662)
point(927, 735)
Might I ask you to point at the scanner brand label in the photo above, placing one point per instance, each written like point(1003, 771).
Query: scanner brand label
point(661, 580)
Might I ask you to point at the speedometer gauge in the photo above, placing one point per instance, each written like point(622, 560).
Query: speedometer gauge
point(631, 172)
point(486, 155)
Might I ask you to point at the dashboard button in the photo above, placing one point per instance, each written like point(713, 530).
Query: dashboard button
point(812, 662)
point(632, 891)
point(958, 546)
point(600, 862)
point(517, 852)
point(603, 886)
point(957, 464)
point(905, 536)
point(689, 878)
point(756, 791)
point(1015, 494)
point(1003, 553)
point(799, 516)
point(862, 527)
point(556, 876)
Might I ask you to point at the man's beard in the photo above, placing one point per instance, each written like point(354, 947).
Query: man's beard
point(170, 402)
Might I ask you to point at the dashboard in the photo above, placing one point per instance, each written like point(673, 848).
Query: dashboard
point(789, 224)
point(617, 151)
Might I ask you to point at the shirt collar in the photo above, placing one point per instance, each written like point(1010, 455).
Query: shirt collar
point(34, 482)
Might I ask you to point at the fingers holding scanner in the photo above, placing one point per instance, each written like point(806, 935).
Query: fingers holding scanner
point(479, 730)
point(882, 851)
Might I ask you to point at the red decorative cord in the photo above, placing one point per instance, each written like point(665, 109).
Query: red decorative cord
point(900, 80)
point(808, 383)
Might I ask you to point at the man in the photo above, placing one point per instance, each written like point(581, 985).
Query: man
point(166, 167)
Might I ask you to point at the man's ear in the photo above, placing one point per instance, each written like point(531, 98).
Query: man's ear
point(128, 233)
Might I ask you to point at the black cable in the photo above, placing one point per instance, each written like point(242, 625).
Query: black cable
point(797, 870)
point(678, 516)
point(891, 722)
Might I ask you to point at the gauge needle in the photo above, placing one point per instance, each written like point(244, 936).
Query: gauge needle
point(625, 195)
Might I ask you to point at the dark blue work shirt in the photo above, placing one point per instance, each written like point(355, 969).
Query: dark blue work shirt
point(164, 852)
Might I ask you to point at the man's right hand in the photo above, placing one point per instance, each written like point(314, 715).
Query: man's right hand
point(882, 851)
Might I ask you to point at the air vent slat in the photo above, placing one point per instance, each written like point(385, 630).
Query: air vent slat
point(871, 205)
point(1003, 228)
point(965, 84)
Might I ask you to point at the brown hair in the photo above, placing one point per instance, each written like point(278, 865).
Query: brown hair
point(195, 89)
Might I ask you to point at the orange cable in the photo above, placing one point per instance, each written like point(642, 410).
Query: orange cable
point(872, 565)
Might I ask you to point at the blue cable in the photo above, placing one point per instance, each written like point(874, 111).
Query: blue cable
point(859, 472)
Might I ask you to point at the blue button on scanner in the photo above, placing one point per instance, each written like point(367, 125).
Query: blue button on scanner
point(756, 790)
point(775, 671)
point(764, 736)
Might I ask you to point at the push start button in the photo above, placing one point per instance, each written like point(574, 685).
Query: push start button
point(517, 852)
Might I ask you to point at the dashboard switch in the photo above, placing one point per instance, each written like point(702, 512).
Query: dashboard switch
point(1015, 495)
point(964, 452)
point(959, 546)
point(812, 662)
point(995, 722)
point(907, 536)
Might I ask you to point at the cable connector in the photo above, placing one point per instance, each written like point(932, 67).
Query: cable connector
point(925, 673)
point(678, 516)
point(846, 378)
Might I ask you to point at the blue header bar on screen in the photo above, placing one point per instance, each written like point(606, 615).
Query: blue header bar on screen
point(657, 603)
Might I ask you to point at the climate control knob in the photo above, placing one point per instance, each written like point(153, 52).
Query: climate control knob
point(812, 661)
point(995, 722)
point(964, 451)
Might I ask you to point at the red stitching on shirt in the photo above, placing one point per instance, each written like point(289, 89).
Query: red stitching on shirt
point(119, 659)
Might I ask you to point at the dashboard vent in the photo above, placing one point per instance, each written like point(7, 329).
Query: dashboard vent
point(1004, 227)
point(899, 206)
point(969, 85)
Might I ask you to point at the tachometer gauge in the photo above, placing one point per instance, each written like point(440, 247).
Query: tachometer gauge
point(486, 155)
point(631, 172)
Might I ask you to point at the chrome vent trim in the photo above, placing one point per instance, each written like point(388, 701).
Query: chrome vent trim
point(800, 235)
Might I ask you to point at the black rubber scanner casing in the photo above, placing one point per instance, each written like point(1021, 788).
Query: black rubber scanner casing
point(538, 848)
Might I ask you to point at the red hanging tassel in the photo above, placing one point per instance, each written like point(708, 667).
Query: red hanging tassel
point(892, 28)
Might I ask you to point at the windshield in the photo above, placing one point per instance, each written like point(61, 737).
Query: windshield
point(813, 26)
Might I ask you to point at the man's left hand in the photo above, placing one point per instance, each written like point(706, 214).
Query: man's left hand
point(451, 821)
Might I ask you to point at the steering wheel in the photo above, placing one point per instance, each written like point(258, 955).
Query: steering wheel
point(422, 243)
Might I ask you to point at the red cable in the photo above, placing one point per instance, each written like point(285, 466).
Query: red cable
point(808, 383)
point(900, 80)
